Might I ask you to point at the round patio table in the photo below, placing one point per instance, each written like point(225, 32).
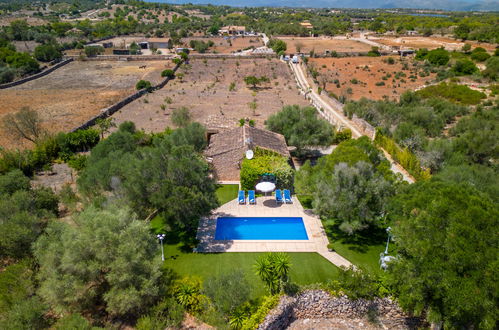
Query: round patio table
point(265, 187)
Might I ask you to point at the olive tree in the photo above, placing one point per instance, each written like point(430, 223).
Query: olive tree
point(106, 258)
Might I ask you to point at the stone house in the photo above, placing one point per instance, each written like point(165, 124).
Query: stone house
point(227, 149)
point(235, 30)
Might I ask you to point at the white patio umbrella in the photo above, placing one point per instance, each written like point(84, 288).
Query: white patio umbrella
point(265, 187)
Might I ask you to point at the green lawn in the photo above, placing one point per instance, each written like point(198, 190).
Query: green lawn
point(307, 268)
point(362, 249)
point(227, 192)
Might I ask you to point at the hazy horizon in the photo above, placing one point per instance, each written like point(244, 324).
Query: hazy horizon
point(445, 5)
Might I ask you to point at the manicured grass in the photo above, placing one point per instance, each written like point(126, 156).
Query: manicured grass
point(362, 249)
point(307, 268)
point(227, 192)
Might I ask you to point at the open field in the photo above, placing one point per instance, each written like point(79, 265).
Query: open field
point(368, 77)
point(227, 45)
point(429, 42)
point(205, 91)
point(320, 44)
point(74, 93)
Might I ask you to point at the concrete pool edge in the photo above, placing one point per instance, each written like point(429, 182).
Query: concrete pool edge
point(265, 207)
point(257, 229)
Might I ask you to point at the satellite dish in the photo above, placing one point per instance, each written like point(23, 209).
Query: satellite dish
point(249, 154)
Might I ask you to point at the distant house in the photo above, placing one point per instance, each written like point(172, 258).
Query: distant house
point(307, 25)
point(234, 30)
point(411, 33)
point(406, 52)
point(227, 149)
point(159, 43)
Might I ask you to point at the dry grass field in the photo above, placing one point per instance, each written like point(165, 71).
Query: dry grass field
point(369, 77)
point(74, 93)
point(227, 45)
point(204, 89)
point(320, 44)
point(429, 42)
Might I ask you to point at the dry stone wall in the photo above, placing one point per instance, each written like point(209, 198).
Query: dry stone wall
point(117, 106)
point(36, 75)
point(318, 304)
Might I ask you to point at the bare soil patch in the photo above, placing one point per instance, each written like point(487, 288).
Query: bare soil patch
point(76, 92)
point(320, 44)
point(205, 91)
point(369, 77)
point(429, 42)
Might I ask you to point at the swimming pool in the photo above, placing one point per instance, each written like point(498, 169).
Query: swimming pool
point(253, 228)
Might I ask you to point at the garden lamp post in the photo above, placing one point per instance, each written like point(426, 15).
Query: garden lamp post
point(161, 237)
point(388, 230)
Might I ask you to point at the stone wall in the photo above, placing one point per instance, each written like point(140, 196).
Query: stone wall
point(318, 304)
point(165, 57)
point(106, 112)
point(36, 75)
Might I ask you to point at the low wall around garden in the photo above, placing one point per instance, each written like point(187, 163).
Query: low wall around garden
point(318, 304)
point(109, 111)
point(36, 75)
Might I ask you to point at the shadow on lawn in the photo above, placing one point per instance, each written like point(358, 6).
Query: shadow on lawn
point(358, 242)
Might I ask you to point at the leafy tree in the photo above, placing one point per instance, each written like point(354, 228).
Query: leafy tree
point(464, 67)
point(27, 314)
point(104, 125)
point(6, 74)
point(92, 51)
point(73, 321)
point(255, 81)
point(492, 68)
point(13, 181)
point(374, 52)
point(24, 124)
point(480, 55)
point(187, 292)
point(109, 259)
point(277, 45)
point(47, 53)
point(168, 73)
point(301, 127)
point(181, 117)
point(273, 269)
point(448, 247)
point(227, 291)
point(143, 84)
point(438, 56)
point(355, 195)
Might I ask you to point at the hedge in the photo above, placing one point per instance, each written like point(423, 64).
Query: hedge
point(266, 161)
point(258, 317)
point(403, 156)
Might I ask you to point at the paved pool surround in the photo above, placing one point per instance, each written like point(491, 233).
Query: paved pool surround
point(267, 207)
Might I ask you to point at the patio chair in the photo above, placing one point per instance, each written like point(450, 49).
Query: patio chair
point(287, 196)
point(278, 196)
point(251, 197)
point(241, 196)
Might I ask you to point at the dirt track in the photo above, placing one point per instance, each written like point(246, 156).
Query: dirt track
point(74, 93)
point(321, 44)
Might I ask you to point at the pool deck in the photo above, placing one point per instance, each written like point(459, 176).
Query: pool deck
point(267, 207)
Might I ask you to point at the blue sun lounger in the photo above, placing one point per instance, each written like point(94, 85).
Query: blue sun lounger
point(287, 196)
point(251, 197)
point(241, 197)
point(278, 196)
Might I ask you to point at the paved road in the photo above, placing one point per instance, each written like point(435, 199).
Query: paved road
point(333, 112)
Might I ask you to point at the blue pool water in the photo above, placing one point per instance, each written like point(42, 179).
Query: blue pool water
point(252, 228)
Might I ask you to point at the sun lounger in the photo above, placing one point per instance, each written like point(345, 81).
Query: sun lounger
point(241, 197)
point(278, 196)
point(287, 196)
point(251, 197)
